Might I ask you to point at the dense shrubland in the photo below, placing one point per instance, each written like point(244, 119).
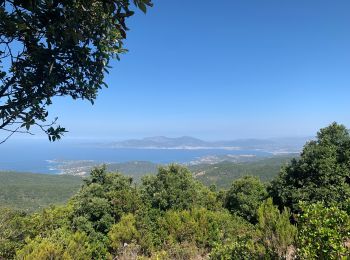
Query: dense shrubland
point(304, 213)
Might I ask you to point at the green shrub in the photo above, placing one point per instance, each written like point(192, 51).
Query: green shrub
point(277, 233)
point(175, 188)
point(323, 232)
point(62, 244)
point(240, 250)
point(245, 196)
point(124, 232)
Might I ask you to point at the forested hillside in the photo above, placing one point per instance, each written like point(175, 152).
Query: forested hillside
point(222, 174)
point(303, 213)
point(30, 192)
point(135, 169)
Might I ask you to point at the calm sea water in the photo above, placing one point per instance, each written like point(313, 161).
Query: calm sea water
point(35, 156)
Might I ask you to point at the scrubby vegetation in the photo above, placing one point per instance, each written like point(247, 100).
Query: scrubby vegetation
point(171, 215)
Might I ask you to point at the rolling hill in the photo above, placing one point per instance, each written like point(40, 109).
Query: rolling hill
point(222, 174)
point(30, 192)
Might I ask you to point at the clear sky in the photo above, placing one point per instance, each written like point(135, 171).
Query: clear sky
point(224, 69)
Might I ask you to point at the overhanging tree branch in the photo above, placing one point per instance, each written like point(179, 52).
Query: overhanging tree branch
point(56, 48)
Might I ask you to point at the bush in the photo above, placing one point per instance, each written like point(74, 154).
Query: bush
point(323, 232)
point(277, 233)
point(175, 188)
point(124, 232)
point(103, 199)
point(201, 227)
point(62, 244)
point(245, 196)
point(240, 250)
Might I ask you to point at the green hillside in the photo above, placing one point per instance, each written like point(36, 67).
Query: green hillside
point(222, 174)
point(29, 192)
point(134, 169)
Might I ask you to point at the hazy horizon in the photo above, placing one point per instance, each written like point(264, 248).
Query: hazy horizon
point(20, 138)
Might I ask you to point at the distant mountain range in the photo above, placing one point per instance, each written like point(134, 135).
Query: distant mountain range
point(277, 145)
point(162, 142)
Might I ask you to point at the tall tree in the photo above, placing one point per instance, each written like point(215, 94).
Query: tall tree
point(52, 48)
point(322, 174)
point(174, 187)
point(245, 196)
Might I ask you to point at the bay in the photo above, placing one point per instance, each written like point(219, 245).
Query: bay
point(40, 156)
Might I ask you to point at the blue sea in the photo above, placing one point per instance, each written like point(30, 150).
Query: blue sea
point(37, 156)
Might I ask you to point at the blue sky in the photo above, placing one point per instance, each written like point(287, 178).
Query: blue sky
point(224, 70)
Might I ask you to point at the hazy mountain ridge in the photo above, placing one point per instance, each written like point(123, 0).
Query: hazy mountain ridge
point(161, 142)
point(287, 145)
